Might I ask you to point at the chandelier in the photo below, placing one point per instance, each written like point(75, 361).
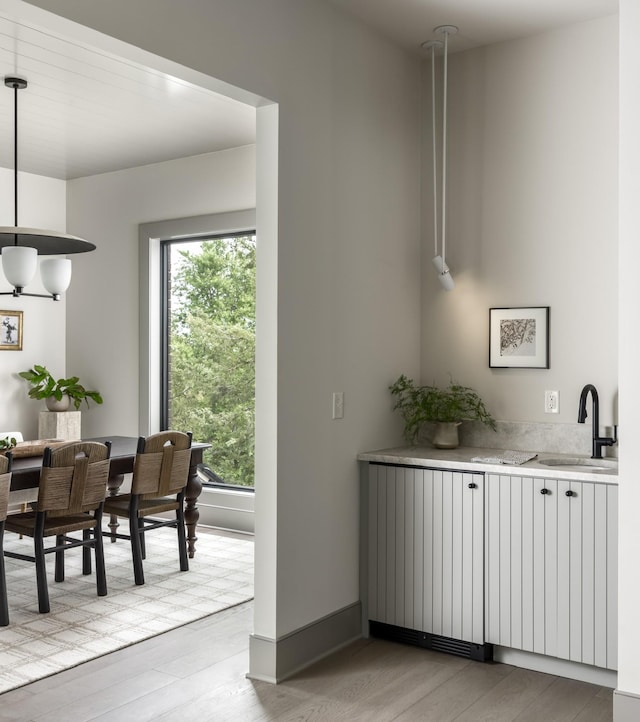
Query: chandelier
point(21, 246)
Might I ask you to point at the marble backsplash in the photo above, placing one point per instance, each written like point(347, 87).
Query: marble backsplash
point(530, 436)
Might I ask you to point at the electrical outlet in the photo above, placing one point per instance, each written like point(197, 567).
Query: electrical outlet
point(551, 402)
point(338, 405)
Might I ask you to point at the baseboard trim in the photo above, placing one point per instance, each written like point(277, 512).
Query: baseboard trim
point(626, 706)
point(228, 509)
point(559, 667)
point(274, 660)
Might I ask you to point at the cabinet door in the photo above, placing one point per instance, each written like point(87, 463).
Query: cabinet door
point(426, 556)
point(519, 561)
point(395, 510)
point(551, 566)
point(588, 572)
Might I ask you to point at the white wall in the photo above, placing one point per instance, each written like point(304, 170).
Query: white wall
point(532, 216)
point(629, 303)
point(42, 204)
point(348, 271)
point(102, 306)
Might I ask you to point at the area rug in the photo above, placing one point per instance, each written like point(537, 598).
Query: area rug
point(82, 626)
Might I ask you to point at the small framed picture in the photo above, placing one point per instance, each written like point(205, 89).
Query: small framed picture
point(10, 330)
point(519, 337)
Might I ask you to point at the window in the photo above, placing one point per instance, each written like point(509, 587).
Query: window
point(207, 349)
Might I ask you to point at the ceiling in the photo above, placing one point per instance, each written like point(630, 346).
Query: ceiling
point(479, 22)
point(85, 112)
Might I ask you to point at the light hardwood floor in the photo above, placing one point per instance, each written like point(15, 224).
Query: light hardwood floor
point(199, 672)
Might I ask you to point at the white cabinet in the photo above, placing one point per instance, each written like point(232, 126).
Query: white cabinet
point(522, 562)
point(551, 567)
point(426, 550)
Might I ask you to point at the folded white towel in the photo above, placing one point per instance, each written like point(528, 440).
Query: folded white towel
point(512, 458)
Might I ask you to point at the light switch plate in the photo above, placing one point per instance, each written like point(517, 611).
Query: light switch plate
point(338, 405)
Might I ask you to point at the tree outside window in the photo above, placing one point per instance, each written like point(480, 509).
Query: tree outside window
point(210, 358)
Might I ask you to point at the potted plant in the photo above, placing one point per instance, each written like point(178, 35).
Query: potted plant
point(7, 443)
point(57, 393)
point(446, 407)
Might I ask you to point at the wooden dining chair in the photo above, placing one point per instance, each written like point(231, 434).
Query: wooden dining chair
point(5, 483)
point(160, 475)
point(71, 492)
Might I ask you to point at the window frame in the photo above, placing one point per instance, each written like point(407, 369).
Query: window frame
point(165, 249)
point(150, 236)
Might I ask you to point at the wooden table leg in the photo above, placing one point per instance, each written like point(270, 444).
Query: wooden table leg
point(113, 486)
point(191, 513)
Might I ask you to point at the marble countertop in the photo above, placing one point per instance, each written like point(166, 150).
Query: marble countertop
point(460, 459)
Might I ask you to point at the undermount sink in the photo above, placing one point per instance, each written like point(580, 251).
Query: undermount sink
point(592, 464)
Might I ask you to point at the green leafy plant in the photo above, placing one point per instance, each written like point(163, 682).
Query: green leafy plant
point(212, 341)
point(7, 443)
point(428, 404)
point(45, 385)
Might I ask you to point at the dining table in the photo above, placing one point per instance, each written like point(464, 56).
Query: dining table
point(26, 476)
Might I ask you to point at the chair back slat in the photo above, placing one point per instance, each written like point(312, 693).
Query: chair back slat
point(156, 442)
point(162, 467)
point(65, 454)
point(78, 480)
point(74, 478)
point(166, 470)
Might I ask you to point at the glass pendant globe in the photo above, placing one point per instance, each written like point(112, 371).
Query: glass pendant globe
point(56, 275)
point(19, 264)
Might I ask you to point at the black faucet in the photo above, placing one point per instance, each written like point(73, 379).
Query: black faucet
point(598, 441)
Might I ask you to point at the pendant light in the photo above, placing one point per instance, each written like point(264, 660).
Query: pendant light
point(444, 274)
point(21, 246)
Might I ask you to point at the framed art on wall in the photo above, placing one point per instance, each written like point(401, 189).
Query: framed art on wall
point(10, 330)
point(519, 337)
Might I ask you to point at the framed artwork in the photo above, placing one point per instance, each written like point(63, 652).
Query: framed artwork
point(10, 330)
point(519, 338)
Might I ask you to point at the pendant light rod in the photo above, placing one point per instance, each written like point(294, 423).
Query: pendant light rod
point(16, 84)
point(443, 224)
point(433, 45)
point(444, 275)
point(435, 155)
point(46, 243)
point(15, 158)
point(21, 246)
point(445, 30)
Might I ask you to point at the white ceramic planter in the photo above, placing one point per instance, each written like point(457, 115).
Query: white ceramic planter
point(446, 435)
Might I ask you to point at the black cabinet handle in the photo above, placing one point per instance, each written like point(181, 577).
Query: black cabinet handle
point(545, 491)
point(569, 493)
point(473, 485)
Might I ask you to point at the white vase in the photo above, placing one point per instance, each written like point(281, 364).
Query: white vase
point(446, 435)
point(54, 405)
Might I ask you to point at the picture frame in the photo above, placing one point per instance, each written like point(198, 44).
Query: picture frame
point(519, 337)
point(11, 330)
